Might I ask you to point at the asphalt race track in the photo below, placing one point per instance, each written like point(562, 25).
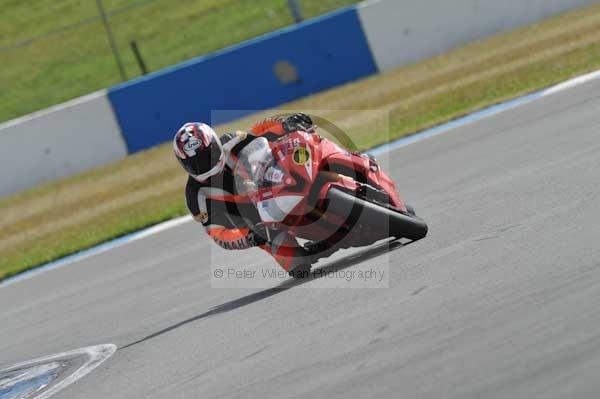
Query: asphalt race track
point(501, 300)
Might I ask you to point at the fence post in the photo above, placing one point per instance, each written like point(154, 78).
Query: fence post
point(296, 10)
point(138, 57)
point(111, 40)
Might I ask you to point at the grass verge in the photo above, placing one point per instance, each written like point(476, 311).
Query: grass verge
point(52, 51)
point(56, 219)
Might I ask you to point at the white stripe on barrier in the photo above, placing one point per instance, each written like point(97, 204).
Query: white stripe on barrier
point(59, 141)
point(401, 32)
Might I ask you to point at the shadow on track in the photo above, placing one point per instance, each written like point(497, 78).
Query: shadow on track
point(340, 264)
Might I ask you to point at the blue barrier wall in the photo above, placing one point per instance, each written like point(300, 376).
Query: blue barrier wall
point(309, 57)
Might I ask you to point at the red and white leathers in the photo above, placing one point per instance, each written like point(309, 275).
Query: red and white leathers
point(225, 215)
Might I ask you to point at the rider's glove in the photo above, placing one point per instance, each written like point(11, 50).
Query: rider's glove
point(299, 121)
point(257, 238)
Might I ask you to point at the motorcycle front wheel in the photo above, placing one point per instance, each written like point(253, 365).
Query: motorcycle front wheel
point(376, 217)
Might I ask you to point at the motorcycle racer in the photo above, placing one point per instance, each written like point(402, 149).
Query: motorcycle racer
point(210, 191)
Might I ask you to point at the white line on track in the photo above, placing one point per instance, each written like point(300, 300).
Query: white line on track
point(98, 249)
point(394, 145)
point(95, 355)
point(484, 113)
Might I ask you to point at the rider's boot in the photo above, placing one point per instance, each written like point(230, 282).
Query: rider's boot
point(290, 255)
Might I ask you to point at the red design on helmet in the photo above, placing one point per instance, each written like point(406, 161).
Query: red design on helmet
point(198, 149)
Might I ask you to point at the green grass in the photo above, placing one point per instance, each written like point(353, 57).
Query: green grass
point(63, 64)
point(59, 218)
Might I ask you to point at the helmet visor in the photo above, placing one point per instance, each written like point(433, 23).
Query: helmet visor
point(204, 160)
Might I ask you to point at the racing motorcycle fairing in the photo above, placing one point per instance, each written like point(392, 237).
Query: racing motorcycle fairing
point(289, 181)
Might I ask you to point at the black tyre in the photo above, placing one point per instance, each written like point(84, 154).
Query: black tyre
point(376, 217)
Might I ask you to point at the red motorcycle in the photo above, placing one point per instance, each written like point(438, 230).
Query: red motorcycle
point(312, 189)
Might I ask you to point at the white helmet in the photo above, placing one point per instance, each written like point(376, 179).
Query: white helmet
point(199, 150)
